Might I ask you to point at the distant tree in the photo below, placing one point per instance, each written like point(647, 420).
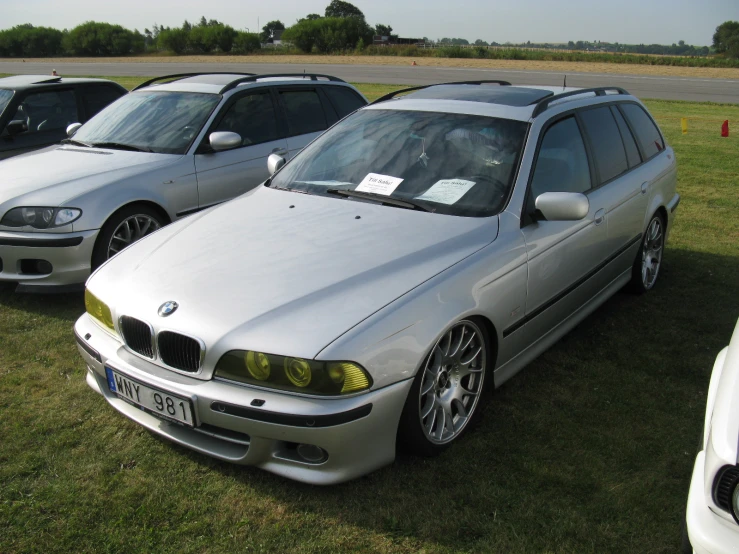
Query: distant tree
point(174, 40)
point(329, 34)
point(245, 43)
point(339, 8)
point(383, 30)
point(102, 39)
point(270, 28)
point(726, 39)
point(480, 42)
point(27, 40)
point(312, 16)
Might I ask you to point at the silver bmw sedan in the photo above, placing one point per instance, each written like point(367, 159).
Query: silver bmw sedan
point(374, 290)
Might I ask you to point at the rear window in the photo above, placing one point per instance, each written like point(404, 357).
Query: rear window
point(605, 139)
point(304, 112)
point(646, 131)
point(344, 100)
point(96, 97)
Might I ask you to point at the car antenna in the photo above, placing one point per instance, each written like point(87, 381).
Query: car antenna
point(564, 85)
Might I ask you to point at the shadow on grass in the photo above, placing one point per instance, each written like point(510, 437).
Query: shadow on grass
point(68, 306)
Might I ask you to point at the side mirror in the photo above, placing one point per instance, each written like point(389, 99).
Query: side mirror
point(72, 128)
point(274, 163)
point(16, 127)
point(224, 140)
point(563, 206)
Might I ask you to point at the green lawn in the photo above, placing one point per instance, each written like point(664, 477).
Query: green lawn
point(590, 449)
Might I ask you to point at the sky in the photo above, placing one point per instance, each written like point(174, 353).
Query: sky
point(624, 21)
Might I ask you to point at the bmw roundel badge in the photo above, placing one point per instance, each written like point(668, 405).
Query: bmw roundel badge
point(168, 308)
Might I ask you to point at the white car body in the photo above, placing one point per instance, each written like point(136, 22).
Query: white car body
point(711, 528)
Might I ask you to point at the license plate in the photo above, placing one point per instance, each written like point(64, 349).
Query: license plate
point(153, 401)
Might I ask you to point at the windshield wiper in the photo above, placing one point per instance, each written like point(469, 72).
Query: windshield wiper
point(407, 204)
point(76, 142)
point(120, 146)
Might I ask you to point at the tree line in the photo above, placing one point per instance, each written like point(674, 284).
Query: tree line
point(343, 27)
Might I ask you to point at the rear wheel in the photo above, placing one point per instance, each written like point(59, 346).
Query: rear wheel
point(448, 392)
point(126, 226)
point(648, 260)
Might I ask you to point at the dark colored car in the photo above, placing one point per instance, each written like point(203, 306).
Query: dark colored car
point(35, 110)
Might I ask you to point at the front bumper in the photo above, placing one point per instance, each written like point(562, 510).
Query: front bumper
point(69, 254)
point(264, 436)
point(708, 532)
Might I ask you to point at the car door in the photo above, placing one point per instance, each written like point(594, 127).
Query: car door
point(621, 182)
point(307, 115)
point(226, 174)
point(47, 114)
point(562, 256)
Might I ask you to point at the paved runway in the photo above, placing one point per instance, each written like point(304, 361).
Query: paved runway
point(668, 88)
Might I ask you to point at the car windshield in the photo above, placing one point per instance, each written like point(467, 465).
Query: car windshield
point(453, 164)
point(163, 122)
point(5, 96)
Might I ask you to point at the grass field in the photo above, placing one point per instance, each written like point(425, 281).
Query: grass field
point(590, 449)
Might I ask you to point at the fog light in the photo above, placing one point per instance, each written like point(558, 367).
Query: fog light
point(312, 454)
point(735, 503)
point(43, 267)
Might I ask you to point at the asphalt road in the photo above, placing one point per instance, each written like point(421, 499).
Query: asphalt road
point(667, 88)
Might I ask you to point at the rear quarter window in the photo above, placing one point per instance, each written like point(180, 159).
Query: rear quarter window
point(646, 131)
point(344, 100)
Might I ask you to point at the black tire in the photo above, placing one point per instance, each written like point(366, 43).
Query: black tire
point(100, 253)
point(411, 438)
point(637, 284)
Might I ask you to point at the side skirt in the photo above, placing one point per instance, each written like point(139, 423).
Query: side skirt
point(513, 366)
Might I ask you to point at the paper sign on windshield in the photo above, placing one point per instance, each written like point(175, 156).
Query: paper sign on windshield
point(447, 191)
point(379, 184)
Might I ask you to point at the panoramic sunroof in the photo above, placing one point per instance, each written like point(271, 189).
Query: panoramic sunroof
point(492, 94)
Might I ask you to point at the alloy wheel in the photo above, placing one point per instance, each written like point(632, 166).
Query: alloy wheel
point(452, 382)
point(651, 257)
point(130, 230)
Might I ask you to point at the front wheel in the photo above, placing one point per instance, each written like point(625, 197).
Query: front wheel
point(648, 260)
point(446, 397)
point(124, 227)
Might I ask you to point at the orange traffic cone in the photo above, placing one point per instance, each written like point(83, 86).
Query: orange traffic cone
point(414, 62)
point(725, 129)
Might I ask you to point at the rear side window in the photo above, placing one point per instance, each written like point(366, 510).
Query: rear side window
point(562, 164)
point(632, 151)
point(304, 112)
point(646, 131)
point(344, 100)
point(605, 139)
point(97, 97)
point(253, 118)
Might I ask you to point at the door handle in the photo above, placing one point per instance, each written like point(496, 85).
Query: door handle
point(600, 215)
point(279, 151)
point(644, 187)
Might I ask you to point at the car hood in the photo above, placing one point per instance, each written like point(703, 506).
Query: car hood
point(52, 176)
point(282, 272)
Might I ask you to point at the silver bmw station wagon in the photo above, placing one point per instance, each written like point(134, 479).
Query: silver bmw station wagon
point(375, 289)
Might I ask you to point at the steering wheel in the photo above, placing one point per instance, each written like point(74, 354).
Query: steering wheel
point(488, 179)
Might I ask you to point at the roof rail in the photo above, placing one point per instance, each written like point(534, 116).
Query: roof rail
point(178, 76)
point(411, 89)
point(543, 105)
point(253, 78)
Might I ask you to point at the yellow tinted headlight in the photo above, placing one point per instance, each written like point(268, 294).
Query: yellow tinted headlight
point(258, 365)
point(298, 375)
point(98, 309)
